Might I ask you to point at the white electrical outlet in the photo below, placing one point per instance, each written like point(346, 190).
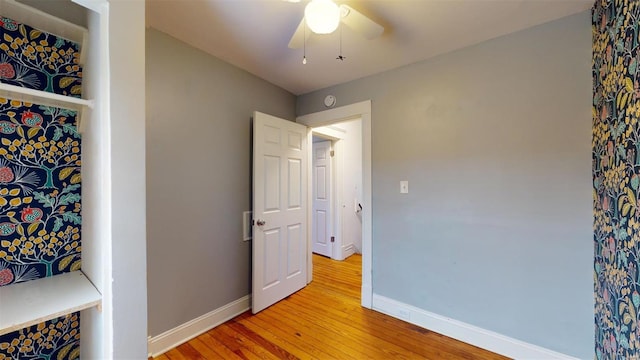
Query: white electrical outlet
point(404, 187)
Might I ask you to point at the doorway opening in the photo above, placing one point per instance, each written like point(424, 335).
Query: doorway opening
point(336, 186)
point(330, 119)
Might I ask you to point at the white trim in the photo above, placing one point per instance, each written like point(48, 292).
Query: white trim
point(348, 112)
point(464, 332)
point(336, 128)
point(42, 21)
point(337, 198)
point(93, 5)
point(22, 305)
point(168, 340)
point(348, 250)
point(328, 132)
point(335, 115)
point(103, 108)
point(19, 93)
point(309, 209)
point(367, 290)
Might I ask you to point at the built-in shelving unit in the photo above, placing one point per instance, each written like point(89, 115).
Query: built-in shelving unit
point(49, 99)
point(43, 98)
point(35, 301)
point(32, 302)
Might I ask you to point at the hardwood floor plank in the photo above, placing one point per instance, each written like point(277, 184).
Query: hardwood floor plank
point(333, 338)
point(415, 342)
point(324, 321)
point(277, 339)
point(175, 354)
point(289, 333)
point(371, 340)
point(246, 343)
point(204, 350)
point(277, 351)
point(335, 346)
point(218, 347)
point(189, 352)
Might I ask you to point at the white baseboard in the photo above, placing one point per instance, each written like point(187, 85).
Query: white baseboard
point(348, 251)
point(159, 344)
point(464, 332)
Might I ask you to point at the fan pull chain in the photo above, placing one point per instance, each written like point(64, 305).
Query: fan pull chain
point(340, 57)
point(304, 34)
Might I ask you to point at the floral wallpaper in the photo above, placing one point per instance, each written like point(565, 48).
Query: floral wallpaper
point(40, 181)
point(57, 339)
point(38, 60)
point(39, 191)
point(616, 178)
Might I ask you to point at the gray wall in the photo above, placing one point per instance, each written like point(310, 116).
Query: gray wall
point(199, 113)
point(495, 141)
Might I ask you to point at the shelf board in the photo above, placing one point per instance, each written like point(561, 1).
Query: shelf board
point(32, 302)
point(42, 21)
point(42, 97)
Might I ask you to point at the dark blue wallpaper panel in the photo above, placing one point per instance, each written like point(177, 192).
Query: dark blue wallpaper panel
point(40, 181)
point(38, 60)
point(57, 339)
point(616, 178)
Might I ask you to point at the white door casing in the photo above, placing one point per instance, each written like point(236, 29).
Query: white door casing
point(322, 195)
point(280, 198)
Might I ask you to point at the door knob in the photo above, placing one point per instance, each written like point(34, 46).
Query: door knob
point(260, 222)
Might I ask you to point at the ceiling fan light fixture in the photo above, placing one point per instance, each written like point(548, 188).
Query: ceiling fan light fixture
point(322, 16)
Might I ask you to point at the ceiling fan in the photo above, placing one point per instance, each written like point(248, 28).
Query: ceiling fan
point(324, 16)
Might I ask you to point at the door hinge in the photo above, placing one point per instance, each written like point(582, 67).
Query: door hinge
point(333, 239)
point(331, 153)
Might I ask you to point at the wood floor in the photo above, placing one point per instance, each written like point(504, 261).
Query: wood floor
point(324, 321)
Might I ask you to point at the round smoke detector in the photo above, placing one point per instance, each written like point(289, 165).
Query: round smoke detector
point(330, 101)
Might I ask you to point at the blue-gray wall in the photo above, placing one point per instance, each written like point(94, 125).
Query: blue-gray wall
point(495, 140)
point(198, 165)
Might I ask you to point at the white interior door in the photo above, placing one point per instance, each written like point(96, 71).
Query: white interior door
point(280, 160)
point(321, 207)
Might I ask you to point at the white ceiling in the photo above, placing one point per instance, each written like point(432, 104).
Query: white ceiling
point(254, 34)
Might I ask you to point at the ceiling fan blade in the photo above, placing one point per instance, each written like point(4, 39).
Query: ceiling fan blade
point(298, 38)
point(360, 23)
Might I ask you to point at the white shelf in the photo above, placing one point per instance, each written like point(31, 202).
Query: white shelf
point(42, 97)
point(42, 21)
point(32, 302)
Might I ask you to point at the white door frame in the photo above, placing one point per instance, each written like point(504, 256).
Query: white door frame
point(358, 110)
